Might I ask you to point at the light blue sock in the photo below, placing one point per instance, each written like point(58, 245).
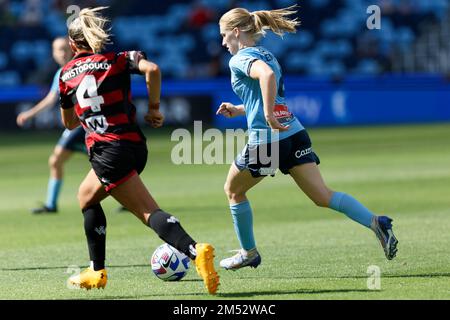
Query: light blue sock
point(351, 207)
point(53, 188)
point(243, 224)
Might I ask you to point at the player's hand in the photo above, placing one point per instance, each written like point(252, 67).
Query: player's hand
point(227, 110)
point(275, 124)
point(22, 118)
point(154, 118)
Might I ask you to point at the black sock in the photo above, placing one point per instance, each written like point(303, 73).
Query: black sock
point(169, 229)
point(95, 229)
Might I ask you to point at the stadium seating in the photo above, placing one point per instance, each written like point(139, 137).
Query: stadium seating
point(184, 37)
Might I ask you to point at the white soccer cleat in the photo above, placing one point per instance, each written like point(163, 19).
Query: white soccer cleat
point(242, 259)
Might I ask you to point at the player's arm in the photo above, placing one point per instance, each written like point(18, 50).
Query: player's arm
point(49, 101)
point(69, 118)
point(267, 81)
point(67, 106)
point(153, 82)
point(68, 115)
point(229, 110)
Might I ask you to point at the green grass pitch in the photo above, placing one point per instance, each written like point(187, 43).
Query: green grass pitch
point(308, 252)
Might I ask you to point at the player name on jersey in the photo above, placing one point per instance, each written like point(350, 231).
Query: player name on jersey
point(72, 73)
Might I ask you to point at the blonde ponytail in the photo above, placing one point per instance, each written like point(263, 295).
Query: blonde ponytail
point(88, 30)
point(256, 22)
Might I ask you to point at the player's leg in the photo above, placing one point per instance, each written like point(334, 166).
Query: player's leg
point(69, 142)
point(133, 195)
point(308, 178)
point(236, 186)
point(55, 163)
point(90, 194)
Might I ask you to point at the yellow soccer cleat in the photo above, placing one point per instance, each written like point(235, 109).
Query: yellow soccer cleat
point(204, 264)
point(89, 279)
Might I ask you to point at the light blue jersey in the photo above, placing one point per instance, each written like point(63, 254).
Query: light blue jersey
point(55, 84)
point(249, 91)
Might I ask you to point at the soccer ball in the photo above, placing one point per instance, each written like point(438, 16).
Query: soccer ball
point(169, 264)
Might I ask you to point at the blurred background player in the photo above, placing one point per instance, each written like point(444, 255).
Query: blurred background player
point(95, 92)
point(71, 140)
point(257, 80)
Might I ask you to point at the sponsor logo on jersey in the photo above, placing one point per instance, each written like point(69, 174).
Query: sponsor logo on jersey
point(280, 111)
point(302, 153)
point(267, 171)
point(97, 124)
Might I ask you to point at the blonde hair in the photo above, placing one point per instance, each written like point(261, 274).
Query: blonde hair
point(256, 22)
point(88, 30)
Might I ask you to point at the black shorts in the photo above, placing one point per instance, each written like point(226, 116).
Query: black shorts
point(73, 140)
point(263, 160)
point(116, 163)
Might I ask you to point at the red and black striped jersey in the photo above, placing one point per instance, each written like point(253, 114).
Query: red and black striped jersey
point(98, 86)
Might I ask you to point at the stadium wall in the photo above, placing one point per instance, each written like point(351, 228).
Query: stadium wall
point(315, 101)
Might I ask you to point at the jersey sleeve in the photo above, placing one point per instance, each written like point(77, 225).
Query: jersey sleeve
point(241, 64)
point(65, 101)
point(55, 83)
point(133, 58)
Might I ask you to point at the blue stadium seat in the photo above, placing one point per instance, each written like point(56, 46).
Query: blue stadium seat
point(179, 11)
point(211, 32)
point(255, 5)
point(404, 35)
point(368, 66)
point(343, 48)
point(336, 68)
point(4, 60)
point(218, 4)
point(273, 43)
point(325, 48)
point(56, 24)
point(9, 78)
point(319, 4)
point(296, 62)
point(285, 3)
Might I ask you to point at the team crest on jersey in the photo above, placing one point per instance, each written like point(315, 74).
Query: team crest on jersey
point(79, 63)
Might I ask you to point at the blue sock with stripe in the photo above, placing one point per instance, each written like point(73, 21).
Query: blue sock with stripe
point(53, 188)
point(352, 208)
point(243, 224)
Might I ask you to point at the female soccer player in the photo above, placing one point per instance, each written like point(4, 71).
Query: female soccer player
point(95, 92)
point(70, 141)
point(274, 134)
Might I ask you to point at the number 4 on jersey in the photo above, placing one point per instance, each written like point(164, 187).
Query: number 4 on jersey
point(94, 101)
point(96, 123)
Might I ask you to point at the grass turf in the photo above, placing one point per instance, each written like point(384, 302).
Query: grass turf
point(308, 252)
